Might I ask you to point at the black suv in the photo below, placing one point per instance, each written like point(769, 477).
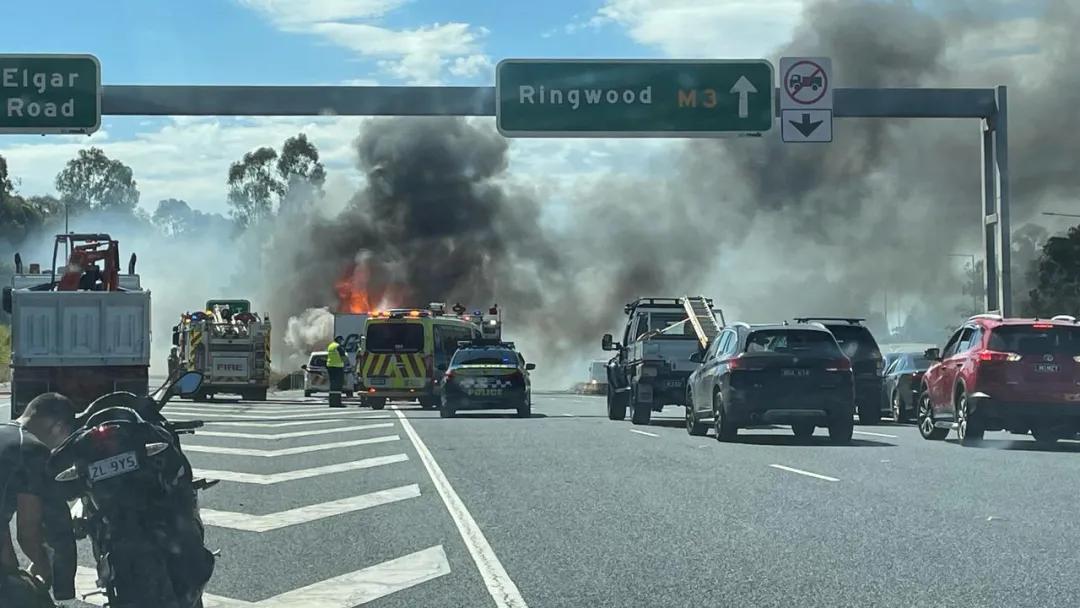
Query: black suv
point(860, 346)
point(772, 374)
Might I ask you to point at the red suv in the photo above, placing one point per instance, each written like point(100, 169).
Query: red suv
point(1018, 375)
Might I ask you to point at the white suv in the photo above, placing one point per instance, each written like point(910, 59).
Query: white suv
point(316, 380)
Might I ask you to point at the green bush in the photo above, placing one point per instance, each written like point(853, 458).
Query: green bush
point(5, 353)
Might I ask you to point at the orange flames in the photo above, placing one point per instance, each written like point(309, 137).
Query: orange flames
point(356, 295)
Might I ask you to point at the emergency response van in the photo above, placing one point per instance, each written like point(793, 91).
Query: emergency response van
point(406, 351)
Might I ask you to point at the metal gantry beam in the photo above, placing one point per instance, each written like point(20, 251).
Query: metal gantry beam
point(988, 105)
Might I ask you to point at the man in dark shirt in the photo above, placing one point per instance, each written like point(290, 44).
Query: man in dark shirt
point(29, 493)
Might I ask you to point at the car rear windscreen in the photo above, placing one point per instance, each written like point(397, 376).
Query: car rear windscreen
point(792, 342)
point(319, 361)
point(484, 356)
point(1027, 340)
point(856, 341)
point(394, 338)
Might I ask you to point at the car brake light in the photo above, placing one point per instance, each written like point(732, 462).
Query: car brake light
point(1042, 325)
point(990, 355)
point(840, 365)
point(738, 362)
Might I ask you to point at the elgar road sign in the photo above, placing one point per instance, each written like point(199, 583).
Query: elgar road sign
point(806, 99)
point(633, 98)
point(50, 94)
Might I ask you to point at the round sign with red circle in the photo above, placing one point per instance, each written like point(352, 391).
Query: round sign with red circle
point(806, 82)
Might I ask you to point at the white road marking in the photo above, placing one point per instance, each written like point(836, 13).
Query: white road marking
point(567, 415)
point(272, 478)
point(276, 425)
point(646, 433)
point(802, 472)
point(295, 434)
point(86, 582)
point(874, 434)
point(346, 414)
point(303, 515)
point(498, 582)
point(304, 449)
point(345, 591)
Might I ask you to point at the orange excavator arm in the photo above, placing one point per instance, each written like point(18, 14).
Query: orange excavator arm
point(89, 253)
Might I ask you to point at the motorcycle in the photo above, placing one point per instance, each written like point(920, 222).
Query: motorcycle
point(136, 498)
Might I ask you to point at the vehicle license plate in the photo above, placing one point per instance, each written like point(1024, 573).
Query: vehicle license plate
point(113, 466)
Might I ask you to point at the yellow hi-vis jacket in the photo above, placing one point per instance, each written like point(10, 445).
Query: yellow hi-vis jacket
point(333, 356)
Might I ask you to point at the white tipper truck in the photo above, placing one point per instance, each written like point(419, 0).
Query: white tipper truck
point(78, 329)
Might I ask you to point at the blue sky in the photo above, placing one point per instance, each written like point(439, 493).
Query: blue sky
point(351, 42)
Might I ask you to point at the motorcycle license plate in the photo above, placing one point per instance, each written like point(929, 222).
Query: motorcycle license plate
point(113, 466)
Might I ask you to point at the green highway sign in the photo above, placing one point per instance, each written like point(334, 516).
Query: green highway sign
point(50, 94)
point(633, 97)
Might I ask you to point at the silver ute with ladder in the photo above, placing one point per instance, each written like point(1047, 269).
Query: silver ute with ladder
point(652, 362)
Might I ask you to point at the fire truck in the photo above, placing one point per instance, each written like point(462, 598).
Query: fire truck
point(229, 344)
point(77, 328)
point(405, 351)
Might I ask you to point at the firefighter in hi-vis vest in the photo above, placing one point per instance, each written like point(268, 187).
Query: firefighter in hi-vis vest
point(335, 369)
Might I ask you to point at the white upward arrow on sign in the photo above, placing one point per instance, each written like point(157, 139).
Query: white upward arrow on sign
point(743, 88)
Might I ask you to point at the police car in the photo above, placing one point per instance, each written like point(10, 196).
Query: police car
point(487, 374)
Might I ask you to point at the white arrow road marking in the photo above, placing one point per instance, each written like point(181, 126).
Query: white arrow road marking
point(276, 425)
point(272, 478)
point(743, 88)
point(304, 449)
point(295, 434)
point(345, 591)
point(303, 515)
point(498, 582)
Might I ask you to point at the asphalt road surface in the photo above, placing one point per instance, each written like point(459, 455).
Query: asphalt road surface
point(400, 508)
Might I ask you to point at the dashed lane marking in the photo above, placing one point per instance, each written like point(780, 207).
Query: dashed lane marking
point(802, 472)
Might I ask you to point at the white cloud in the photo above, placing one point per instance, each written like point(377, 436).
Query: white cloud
point(471, 65)
point(703, 28)
point(417, 56)
point(300, 13)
